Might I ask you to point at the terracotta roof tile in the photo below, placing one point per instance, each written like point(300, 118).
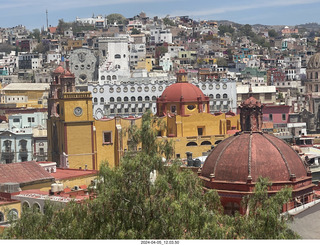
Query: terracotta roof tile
point(23, 172)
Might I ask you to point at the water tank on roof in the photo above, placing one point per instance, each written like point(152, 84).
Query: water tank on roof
point(54, 187)
point(197, 163)
point(60, 187)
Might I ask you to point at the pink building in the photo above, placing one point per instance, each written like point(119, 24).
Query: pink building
point(278, 114)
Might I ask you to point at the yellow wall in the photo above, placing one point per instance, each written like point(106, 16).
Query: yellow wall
point(79, 148)
point(33, 98)
point(41, 186)
point(83, 180)
point(5, 208)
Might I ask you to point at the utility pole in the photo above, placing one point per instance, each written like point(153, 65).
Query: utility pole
point(47, 19)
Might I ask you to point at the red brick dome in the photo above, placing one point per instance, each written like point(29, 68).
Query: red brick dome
point(59, 69)
point(186, 91)
point(247, 156)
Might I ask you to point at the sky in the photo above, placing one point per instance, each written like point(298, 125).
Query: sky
point(32, 13)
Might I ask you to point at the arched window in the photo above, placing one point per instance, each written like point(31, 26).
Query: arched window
point(231, 208)
point(316, 75)
point(225, 96)
point(192, 144)
point(111, 99)
point(36, 207)
point(95, 100)
point(310, 75)
point(117, 56)
point(101, 100)
point(1, 217)
point(218, 96)
point(118, 99)
point(154, 98)
point(139, 98)
point(13, 214)
point(147, 98)
point(133, 98)
point(114, 77)
point(109, 78)
point(25, 205)
point(217, 142)
point(210, 96)
point(103, 78)
point(206, 142)
point(117, 66)
point(126, 98)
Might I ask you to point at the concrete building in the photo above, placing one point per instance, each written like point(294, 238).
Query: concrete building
point(84, 65)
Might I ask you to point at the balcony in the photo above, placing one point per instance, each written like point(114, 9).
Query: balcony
point(23, 151)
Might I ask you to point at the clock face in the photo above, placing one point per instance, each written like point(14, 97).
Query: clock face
point(77, 111)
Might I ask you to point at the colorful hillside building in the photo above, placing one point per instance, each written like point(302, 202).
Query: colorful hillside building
point(77, 140)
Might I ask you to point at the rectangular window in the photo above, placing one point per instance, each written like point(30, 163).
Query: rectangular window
point(268, 96)
point(41, 151)
point(107, 138)
point(119, 110)
point(133, 109)
point(112, 111)
point(16, 120)
point(140, 109)
point(283, 117)
point(200, 131)
point(270, 117)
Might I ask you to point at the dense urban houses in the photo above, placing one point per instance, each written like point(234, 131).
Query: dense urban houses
point(234, 99)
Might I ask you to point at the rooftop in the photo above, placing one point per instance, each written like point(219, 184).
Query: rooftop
point(23, 173)
point(61, 173)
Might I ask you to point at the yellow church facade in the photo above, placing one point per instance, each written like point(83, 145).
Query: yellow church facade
point(76, 140)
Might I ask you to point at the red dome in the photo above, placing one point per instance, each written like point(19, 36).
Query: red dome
point(182, 71)
point(67, 73)
point(59, 69)
point(245, 156)
point(187, 91)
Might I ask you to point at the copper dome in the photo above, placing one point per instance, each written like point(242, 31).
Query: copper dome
point(186, 91)
point(249, 155)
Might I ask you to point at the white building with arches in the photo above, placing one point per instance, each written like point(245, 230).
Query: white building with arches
point(134, 96)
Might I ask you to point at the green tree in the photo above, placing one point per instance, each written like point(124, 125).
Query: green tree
point(36, 34)
point(272, 33)
point(118, 18)
point(168, 22)
point(263, 219)
point(41, 48)
point(131, 205)
point(135, 31)
point(62, 26)
point(225, 29)
point(7, 48)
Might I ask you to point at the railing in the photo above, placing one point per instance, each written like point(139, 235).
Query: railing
point(73, 95)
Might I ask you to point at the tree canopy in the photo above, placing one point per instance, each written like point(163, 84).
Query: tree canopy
point(116, 18)
point(129, 204)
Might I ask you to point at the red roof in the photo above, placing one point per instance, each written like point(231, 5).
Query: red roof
point(23, 173)
point(252, 155)
point(61, 173)
point(52, 29)
point(186, 91)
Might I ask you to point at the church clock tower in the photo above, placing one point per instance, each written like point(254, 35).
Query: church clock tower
point(70, 123)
